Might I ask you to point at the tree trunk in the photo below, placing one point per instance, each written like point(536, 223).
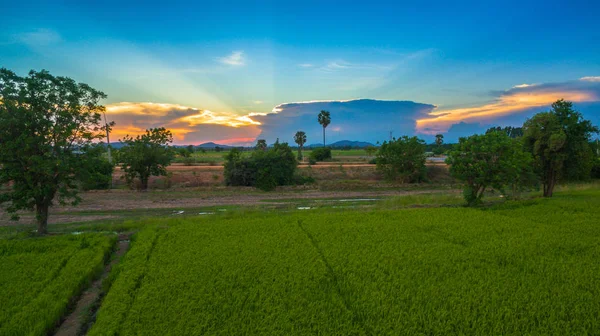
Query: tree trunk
point(323, 136)
point(41, 215)
point(144, 183)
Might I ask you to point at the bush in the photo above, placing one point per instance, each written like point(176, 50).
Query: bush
point(262, 169)
point(321, 154)
point(493, 160)
point(403, 159)
point(98, 174)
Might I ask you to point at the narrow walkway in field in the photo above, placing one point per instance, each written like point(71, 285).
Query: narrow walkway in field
point(355, 317)
point(76, 322)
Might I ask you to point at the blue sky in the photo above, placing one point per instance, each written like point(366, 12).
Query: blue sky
point(207, 67)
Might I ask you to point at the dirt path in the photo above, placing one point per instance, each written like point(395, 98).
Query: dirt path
point(101, 205)
point(76, 322)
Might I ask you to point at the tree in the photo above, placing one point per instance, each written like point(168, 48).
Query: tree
point(262, 169)
point(300, 139)
point(487, 161)
point(439, 141)
point(580, 155)
point(146, 155)
point(324, 120)
point(46, 124)
point(261, 144)
point(402, 158)
point(559, 142)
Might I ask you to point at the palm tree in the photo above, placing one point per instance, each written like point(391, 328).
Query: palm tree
point(324, 120)
point(439, 139)
point(300, 139)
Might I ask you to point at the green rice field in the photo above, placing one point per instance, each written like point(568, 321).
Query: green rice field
point(39, 276)
point(518, 268)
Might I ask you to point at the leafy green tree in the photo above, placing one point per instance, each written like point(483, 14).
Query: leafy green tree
point(559, 142)
point(487, 161)
point(300, 140)
point(580, 155)
point(46, 124)
point(100, 170)
point(261, 144)
point(403, 159)
point(146, 155)
point(262, 169)
point(324, 120)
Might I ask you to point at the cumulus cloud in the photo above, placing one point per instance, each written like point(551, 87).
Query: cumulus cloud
point(522, 100)
point(363, 119)
point(236, 58)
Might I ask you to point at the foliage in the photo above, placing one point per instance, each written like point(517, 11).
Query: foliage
point(432, 271)
point(261, 144)
point(402, 159)
point(596, 169)
point(320, 154)
point(559, 142)
point(146, 155)
point(40, 276)
point(262, 169)
point(100, 171)
point(370, 150)
point(493, 160)
point(300, 140)
point(324, 119)
point(45, 123)
point(512, 132)
point(439, 139)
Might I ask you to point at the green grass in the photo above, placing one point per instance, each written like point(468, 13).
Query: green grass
point(40, 276)
point(518, 268)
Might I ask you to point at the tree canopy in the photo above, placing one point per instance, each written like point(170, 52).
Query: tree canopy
point(403, 159)
point(47, 124)
point(146, 155)
point(559, 142)
point(493, 160)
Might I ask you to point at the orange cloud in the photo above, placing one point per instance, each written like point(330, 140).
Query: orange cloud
point(521, 97)
point(188, 124)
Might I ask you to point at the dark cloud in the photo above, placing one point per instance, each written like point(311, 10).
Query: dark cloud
point(364, 119)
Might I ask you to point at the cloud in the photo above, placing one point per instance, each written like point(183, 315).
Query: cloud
point(189, 125)
point(591, 78)
point(236, 58)
point(258, 102)
point(38, 37)
point(362, 119)
point(520, 100)
point(306, 65)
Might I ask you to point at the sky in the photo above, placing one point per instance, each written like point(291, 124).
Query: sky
point(234, 71)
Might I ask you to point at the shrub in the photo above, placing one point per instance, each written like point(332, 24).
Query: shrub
point(321, 154)
point(262, 169)
point(402, 159)
point(493, 160)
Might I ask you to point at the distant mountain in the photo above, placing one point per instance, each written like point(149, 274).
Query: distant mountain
point(212, 145)
point(345, 143)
